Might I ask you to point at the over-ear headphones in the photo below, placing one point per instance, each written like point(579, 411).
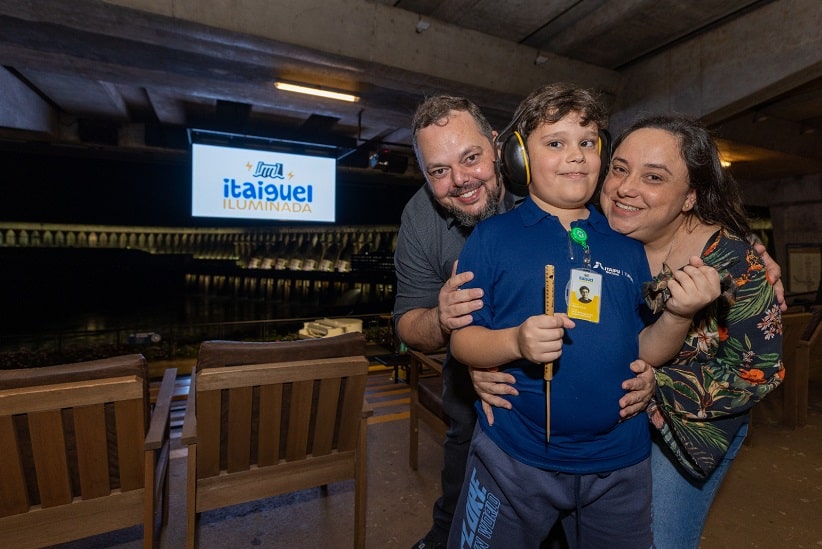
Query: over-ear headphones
point(513, 158)
point(515, 165)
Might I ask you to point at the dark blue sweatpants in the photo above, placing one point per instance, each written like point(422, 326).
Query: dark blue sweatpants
point(505, 503)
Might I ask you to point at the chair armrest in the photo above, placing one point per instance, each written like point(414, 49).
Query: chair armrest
point(162, 409)
point(189, 435)
point(433, 361)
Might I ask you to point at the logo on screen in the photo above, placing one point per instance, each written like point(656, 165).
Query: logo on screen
point(273, 171)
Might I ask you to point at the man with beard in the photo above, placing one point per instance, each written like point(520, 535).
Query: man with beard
point(455, 149)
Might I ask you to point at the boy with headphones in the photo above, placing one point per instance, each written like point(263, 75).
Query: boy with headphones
point(587, 468)
point(456, 151)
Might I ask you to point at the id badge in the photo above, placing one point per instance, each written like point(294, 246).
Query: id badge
point(584, 295)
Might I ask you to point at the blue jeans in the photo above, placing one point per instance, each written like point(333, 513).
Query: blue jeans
point(680, 504)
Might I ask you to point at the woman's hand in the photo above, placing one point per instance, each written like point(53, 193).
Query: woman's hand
point(640, 389)
point(692, 288)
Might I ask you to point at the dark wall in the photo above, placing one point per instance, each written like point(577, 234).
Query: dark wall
point(51, 289)
point(46, 188)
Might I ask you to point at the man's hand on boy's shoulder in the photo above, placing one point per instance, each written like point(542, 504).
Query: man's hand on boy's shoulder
point(455, 304)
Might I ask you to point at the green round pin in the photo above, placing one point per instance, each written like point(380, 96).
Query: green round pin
point(579, 236)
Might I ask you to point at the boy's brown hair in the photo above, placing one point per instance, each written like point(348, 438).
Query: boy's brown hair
point(550, 103)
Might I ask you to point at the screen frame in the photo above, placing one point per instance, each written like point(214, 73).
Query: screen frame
point(261, 179)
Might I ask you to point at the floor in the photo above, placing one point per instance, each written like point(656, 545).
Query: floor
point(772, 496)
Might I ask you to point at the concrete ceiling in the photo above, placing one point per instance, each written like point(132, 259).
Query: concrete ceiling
point(129, 77)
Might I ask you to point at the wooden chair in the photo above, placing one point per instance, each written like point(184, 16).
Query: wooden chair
point(269, 418)
point(82, 454)
point(426, 399)
point(793, 326)
point(808, 356)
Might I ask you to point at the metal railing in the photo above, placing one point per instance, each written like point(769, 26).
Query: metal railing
point(167, 342)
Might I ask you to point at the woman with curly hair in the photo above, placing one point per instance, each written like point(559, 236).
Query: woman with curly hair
point(666, 188)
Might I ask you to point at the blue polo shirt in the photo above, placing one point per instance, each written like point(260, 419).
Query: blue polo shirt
point(507, 255)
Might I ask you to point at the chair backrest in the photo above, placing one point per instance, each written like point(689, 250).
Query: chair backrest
point(230, 353)
point(73, 440)
point(72, 432)
point(795, 386)
point(260, 403)
point(264, 419)
point(793, 326)
point(812, 338)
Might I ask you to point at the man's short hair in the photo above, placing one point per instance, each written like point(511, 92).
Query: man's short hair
point(435, 109)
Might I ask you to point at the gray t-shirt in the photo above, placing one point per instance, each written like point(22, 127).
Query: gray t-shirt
point(428, 243)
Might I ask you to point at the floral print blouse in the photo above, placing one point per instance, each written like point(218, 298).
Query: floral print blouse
point(730, 360)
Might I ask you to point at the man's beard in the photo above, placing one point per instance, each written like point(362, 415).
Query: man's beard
point(469, 221)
